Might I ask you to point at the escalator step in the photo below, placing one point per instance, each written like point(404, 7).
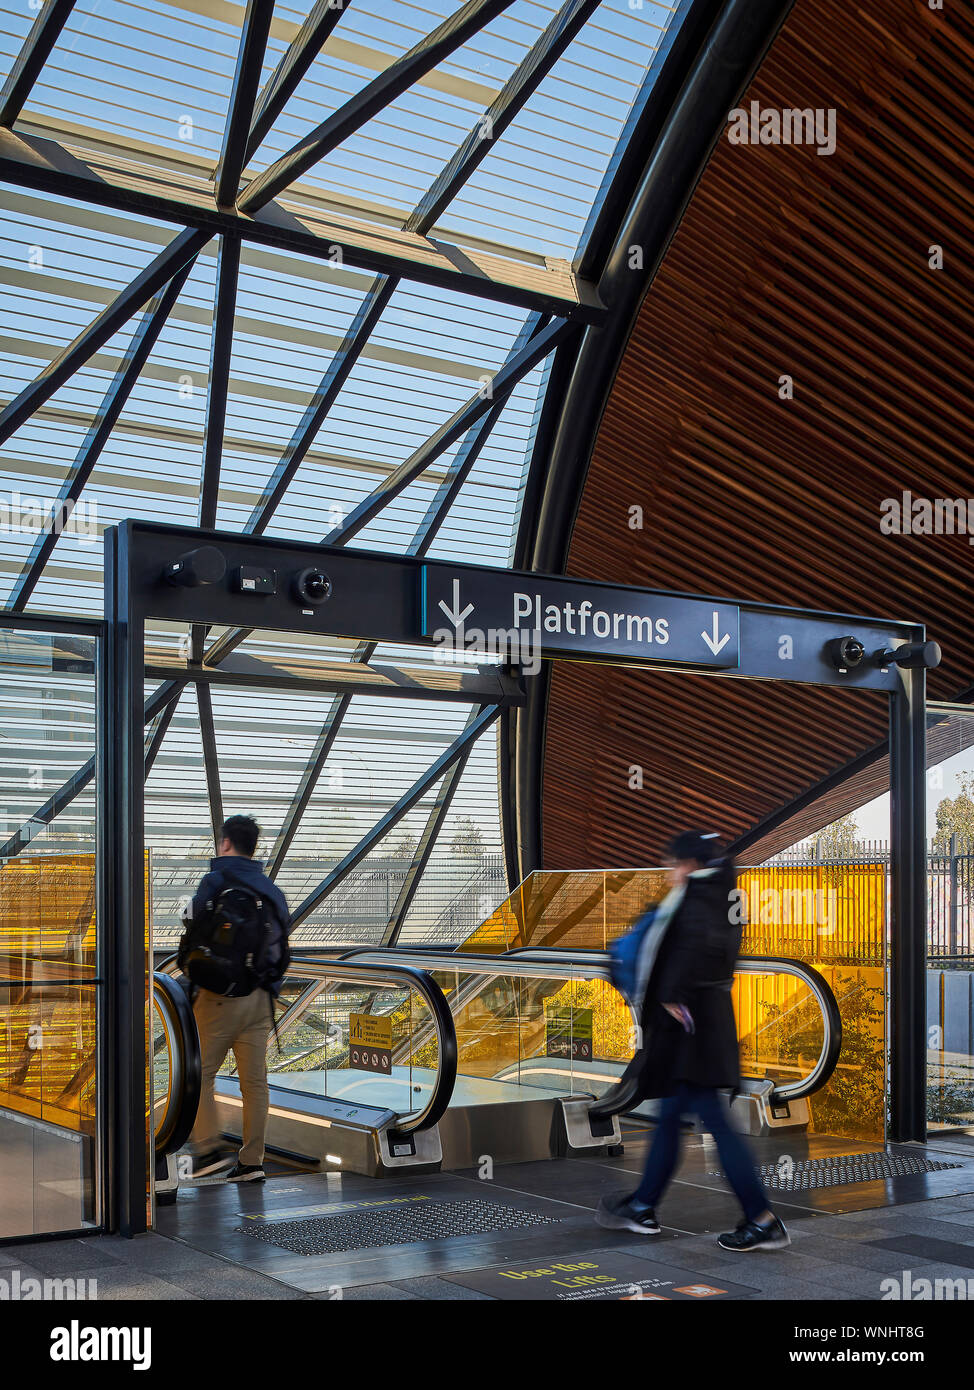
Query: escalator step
point(421, 1220)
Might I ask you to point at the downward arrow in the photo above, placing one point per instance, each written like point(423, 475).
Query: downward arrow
point(454, 614)
point(716, 643)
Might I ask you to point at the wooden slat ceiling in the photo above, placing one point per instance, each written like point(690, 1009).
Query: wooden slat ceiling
point(787, 262)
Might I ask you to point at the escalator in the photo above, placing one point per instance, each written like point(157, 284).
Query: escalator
point(426, 1059)
point(302, 1121)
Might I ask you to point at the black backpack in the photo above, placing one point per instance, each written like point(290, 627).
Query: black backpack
point(226, 949)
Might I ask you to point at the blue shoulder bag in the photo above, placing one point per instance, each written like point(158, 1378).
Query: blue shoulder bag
point(624, 955)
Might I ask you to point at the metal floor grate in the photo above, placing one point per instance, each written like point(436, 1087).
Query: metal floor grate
point(328, 1235)
point(839, 1170)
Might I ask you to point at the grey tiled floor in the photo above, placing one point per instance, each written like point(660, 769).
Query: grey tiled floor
point(841, 1237)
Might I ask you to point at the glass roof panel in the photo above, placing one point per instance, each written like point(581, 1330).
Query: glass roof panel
point(148, 82)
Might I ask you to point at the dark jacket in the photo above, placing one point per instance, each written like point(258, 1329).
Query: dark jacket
point(223, 871)
point(694, 966)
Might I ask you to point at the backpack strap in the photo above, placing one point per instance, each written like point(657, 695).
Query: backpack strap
point(277, 1036)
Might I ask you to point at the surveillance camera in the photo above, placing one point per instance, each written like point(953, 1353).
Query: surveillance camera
point(911, 655)
point(845, 653)
point(205, 565)
point(312, 586)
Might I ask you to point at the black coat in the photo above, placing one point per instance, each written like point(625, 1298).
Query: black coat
point(694, 966)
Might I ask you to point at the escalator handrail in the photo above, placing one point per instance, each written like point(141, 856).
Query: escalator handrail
point(537, 963)
point(595, 965)
point(568, 967)
point(185, 1067)
point(762, 965)
point(396, 975)
point(828, 1057)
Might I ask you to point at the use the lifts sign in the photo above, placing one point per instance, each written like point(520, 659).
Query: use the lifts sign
point(505, 612)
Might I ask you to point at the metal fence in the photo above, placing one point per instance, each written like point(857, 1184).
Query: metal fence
point(950, 890)
point(453, 898)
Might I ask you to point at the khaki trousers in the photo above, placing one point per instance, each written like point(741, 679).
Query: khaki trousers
point(243, 1025)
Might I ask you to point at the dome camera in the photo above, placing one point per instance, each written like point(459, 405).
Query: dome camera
point(845, 653)
point(312, 586)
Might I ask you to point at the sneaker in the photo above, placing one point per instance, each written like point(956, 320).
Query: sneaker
point(750, 1235)
point(246, 1172)
point(627, 1214)
point(213, 1162)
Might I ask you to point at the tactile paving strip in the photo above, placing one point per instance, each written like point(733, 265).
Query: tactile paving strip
point(329, 1235)
point(840, 1170)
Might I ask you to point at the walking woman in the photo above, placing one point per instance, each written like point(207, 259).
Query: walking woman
point(683, 975)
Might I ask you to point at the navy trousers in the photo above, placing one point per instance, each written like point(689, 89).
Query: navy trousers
point(735, 1158)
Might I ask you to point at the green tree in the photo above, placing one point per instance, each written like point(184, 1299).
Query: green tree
point(406, 847)
point(955, 816)
point(840, 840)
point(467, 838)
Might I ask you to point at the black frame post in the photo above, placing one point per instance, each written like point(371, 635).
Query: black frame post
point(908, 911)
point(127, 1000)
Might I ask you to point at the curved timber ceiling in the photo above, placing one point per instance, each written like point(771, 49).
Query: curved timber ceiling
point(787, 262)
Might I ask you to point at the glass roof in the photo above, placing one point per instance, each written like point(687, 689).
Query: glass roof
point(150, 84)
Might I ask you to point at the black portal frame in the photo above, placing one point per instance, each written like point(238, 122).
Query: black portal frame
point(376, 597)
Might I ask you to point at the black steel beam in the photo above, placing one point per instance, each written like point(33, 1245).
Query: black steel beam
point(353, 344)
point(673, 63)
point(158, 730)
point(503, 383)
point(704, 80)
point(129, 370)
point(53, 807)
point(908, 915)
point(397, 78)
point(523, 82)
point(35, 52)
point(309, 778)
point(218, 387)
point(125, 1021)
point(254, 31)
point(52, 622)
point(485, 685)
point(467, 454)
point(221, 350)
point(283, 82)
point(211, 764)
point(506, 745)
point(183, 249)
point(33, 162)
point(403, 806)
point(725, 65)
point(427, 842)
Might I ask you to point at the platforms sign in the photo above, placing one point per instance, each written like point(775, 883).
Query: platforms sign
point(521, 616)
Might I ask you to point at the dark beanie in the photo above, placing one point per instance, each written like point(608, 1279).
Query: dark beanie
point(695, 844)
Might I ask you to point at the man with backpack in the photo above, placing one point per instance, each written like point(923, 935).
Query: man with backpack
point(234, 952)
